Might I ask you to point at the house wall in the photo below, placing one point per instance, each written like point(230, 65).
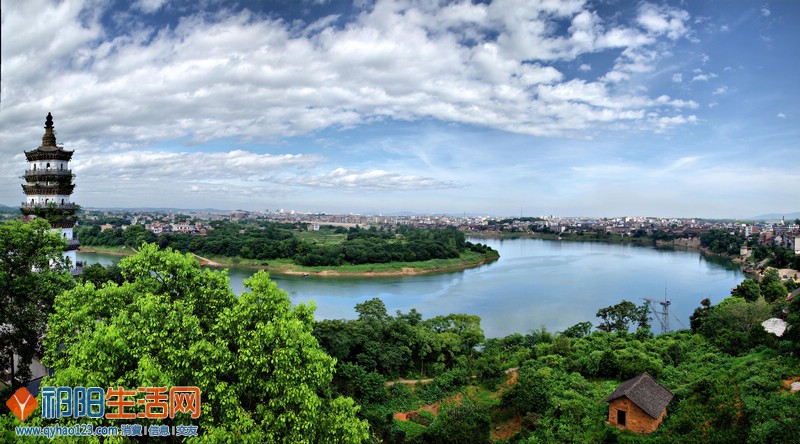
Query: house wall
point(636, 419)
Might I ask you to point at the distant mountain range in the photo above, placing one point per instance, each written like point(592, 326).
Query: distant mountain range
point(777, 216)
point(7, 209)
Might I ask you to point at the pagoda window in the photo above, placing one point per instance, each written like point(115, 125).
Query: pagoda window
point(47, 201)
point(62, 201)
point(48, 166)
point(34, 167)
point(31, 201)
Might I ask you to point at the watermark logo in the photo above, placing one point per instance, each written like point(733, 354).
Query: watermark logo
point(120, 403)
point(22, 403)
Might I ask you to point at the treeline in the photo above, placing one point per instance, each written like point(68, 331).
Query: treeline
point(276, 241)
point(729, 244)
point(374, 246)
point(722, 242)
point(726, 373)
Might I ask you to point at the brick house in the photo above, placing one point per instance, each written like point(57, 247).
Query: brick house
point(638, 404)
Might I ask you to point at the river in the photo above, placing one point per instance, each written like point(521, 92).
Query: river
point(535, 283)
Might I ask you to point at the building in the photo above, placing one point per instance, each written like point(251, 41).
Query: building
point(48, 187)
point(638, 404)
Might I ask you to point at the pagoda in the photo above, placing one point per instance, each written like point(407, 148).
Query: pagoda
point(48, 188)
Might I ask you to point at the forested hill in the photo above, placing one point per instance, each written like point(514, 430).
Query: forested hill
point(327, 247)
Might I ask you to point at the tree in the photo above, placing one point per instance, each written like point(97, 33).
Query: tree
point(774, 291)
point(578, 330)
point(33, 271)
point(619, 318)
point(464, 423)
point(747, 290)
point(262, 374)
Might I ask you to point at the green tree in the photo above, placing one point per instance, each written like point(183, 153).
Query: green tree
point(774, 291)
point(33, 271)
point(263, 376)
point(578, 330)
point(748, 290)
point(465, 423)
point(620, 317)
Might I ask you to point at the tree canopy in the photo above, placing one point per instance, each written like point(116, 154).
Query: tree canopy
point(33, 271)
point(262, 374)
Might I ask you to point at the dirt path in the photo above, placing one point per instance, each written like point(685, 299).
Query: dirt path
point(206, 262)
point(408, 381)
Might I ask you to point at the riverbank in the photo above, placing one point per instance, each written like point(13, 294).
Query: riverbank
point(467, 260)
point(112, 251)
point(609, 239)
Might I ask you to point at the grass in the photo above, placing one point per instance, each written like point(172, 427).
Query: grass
point(286, 266)
point(117, 250)
point(321, 237)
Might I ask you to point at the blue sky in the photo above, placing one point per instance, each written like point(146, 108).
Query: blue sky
point(563, 107)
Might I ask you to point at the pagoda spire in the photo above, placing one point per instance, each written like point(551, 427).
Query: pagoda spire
point(49, 138)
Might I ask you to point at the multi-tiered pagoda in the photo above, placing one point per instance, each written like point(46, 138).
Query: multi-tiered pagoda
point(49, 186)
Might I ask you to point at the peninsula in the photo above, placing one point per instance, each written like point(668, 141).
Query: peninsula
point(302, 249)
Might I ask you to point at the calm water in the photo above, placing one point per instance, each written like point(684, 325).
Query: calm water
point(535, 283)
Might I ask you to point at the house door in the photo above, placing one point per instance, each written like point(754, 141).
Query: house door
point(621, 417)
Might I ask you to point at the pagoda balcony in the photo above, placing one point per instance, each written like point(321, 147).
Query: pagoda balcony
point(43, 206)
point(39, 173)
point(72, 244)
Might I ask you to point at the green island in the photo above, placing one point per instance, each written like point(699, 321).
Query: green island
point(298, 249)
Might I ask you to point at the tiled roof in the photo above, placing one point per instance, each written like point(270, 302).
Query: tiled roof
point(645, 392)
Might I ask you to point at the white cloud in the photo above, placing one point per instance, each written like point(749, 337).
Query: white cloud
point(781, 115)
point(721, 90)
point(705, 77)
point(765, 11)
point(663, 20)
point(149, 6)
point(236, 164)
point(376, 179)
point(677, 78)
point(585, 67)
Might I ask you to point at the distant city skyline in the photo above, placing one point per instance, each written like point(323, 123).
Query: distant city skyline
point(571, 108)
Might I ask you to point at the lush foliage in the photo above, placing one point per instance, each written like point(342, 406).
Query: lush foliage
point(722, 242)
point(262, 373)
point(268, 241)
point(33, 271)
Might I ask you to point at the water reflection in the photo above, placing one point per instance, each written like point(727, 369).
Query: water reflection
point(535, 283)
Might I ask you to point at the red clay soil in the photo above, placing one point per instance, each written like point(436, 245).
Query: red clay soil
point(508, 428)
point(787, 383)
point(433, 408)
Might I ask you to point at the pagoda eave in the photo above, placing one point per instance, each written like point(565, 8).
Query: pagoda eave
point(48, 190)
point(40, 154)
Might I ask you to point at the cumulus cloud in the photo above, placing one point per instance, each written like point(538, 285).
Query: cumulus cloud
point(781, 115)
point(376, 179)
point(236, 164)
point(244, 75)
point(663, 20)
point(677, 78)
point(705, 77)
point(148, 6)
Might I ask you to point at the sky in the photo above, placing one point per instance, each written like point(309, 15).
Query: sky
point(505, 107)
